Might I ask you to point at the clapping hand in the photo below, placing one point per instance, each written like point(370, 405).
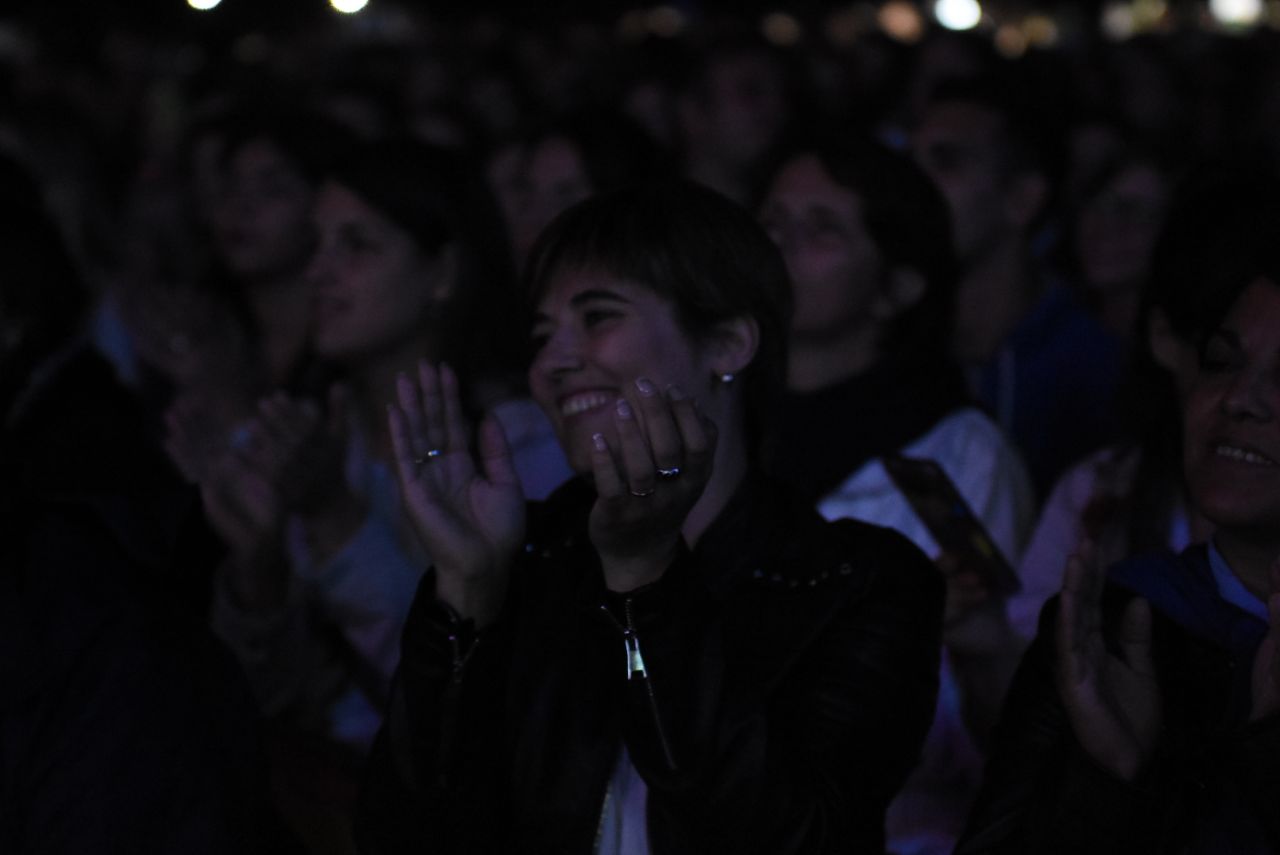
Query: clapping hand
point(648, 483)
point(244, 507)
point(470, 520)
point(302, 450)
point(1114, 702)
point(196, 436)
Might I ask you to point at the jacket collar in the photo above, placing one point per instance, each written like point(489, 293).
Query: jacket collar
point(1182, 588)
point(744, 535)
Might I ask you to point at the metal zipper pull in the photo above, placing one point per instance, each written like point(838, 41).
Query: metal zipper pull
point(635, 661)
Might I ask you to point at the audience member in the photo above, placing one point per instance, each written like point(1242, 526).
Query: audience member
point(779, 669)
point(1130, 498)
point(545, 171)
point(731, 111)
point(408, 258)
point(1116, 222)
point(1044, 368)
point(1146, 715)
point(124, 726)
point(866, 238)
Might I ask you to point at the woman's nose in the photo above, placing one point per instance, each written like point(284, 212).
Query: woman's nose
point(560, 353)
point(1255, 394)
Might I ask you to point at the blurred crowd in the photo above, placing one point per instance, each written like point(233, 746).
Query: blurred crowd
point(217, 260)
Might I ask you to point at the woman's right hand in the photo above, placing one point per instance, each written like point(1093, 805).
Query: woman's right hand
point(471, 521)
point(1114, 702)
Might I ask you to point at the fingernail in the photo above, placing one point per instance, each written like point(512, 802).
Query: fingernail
point(674, 393)
point(597, 439)
point(624, 409)
point(646, 388)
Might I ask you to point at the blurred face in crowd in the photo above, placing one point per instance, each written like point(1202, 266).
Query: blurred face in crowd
point(593, 335)
point(835, 268)
point(1232, 418)
point(961, 147)
point(1119, 225)
point(745, 106)
point(262, 214)
point(374, 287)
point(533, 185)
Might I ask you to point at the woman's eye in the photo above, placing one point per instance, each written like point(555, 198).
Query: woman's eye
point(823, 228)
point(1216, 358)
point(538, 340)
point(595, 317)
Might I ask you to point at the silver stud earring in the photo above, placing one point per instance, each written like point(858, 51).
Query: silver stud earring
point(727, 378)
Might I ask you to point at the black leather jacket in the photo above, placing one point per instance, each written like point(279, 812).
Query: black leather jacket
point(772, 690)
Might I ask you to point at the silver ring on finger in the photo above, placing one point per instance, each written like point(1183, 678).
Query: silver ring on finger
point(642, 494)
point(430, 455)
point(668, 474)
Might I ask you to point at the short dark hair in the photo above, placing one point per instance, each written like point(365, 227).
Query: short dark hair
point(694, 247)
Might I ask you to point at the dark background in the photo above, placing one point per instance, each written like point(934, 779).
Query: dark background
point(73, 22)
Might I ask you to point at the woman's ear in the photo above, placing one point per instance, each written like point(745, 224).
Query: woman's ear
point(905, 287)
point(734, 344)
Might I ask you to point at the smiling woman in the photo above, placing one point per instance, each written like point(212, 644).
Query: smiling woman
point(1232, 442)
point(779, 671)
point(1146, 715)
point(408, 264)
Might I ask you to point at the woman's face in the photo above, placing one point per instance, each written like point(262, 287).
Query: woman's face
point(1118, 228)
point(374, 288)
point(1232, 418)
point(534, 185)
point(835, 268)
point(593, 336)
point(262, 214)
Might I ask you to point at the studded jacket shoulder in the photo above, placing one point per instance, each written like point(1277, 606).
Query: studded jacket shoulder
point(772, 690)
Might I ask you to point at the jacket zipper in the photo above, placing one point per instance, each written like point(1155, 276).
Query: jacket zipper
point(449, 709)
point(604, 807)
point(636, 668)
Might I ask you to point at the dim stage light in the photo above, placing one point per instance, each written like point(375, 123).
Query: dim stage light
point(348, 7)
point(781, 29)
point(902, 21)
point(1236, 13)
point(1118, 21)
point(957, 14)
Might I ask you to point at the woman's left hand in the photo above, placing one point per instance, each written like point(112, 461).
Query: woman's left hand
point(1266, 662)
point(648, 484)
